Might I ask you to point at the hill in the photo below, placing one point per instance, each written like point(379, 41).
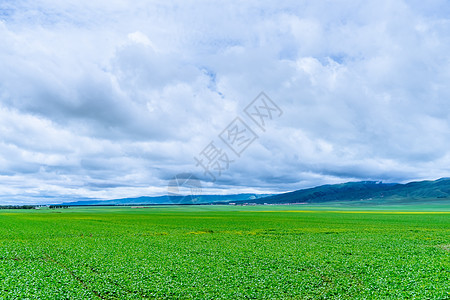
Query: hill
point(197, 199)
point(366, 192)
point(363, 192)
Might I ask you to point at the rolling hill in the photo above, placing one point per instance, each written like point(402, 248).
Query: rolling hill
point(366, 192)
point(197, 199)
point(363, 192)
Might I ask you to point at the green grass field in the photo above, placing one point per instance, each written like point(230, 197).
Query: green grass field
point(225, 252)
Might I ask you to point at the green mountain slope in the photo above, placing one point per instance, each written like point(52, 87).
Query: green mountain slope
point(197, 199)
point(370, 192)
point(366, 191)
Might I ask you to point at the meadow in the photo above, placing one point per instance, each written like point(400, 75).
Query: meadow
point(226, 252)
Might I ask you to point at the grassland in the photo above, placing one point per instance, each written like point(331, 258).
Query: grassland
point(224, 252)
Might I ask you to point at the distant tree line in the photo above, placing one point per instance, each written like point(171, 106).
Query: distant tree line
point(58, 206)
point(17, 206)
point(31, 206)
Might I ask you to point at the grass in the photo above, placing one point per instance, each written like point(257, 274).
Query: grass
point(226, 252)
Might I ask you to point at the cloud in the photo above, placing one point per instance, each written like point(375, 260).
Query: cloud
point(103, 99)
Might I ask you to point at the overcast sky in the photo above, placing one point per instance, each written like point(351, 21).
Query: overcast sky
point(108, 99)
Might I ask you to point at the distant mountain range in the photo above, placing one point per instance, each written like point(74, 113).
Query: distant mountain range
point(373, 192)
point(367, 192)
point(188, 199)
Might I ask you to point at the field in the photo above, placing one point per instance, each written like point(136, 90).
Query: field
point(226, 252)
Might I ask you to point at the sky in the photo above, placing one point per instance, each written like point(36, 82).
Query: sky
point(109, 99)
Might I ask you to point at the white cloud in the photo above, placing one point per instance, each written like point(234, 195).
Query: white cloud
point(105, 99)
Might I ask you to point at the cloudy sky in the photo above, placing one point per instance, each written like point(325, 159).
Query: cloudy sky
point(107, 98)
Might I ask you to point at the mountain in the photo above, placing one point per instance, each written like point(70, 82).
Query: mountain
point(373, 192)
point(196, 199)
point(366, 191)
